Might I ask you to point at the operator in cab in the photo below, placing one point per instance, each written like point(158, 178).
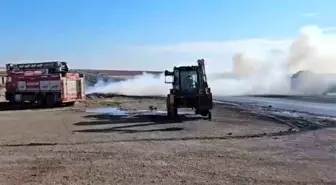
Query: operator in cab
point(189, 82)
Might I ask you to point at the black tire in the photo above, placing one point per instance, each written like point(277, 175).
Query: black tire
point(205, 113)
point(70, 104)
point(175, 112)
point(209, 115)
point(11, 102)
point(169, 113)
point(40, 100)
point(49, 101)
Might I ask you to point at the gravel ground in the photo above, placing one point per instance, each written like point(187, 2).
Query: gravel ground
point(71, 146)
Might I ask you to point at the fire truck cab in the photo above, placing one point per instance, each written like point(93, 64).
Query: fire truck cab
point(46, 83)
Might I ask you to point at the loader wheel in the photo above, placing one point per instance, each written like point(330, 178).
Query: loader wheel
point(209, 116)
point(204, 113)
point(169, 113)
point(174, 110)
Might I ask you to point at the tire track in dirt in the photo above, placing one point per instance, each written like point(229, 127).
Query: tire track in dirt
point(296, 125)
point(203, 138)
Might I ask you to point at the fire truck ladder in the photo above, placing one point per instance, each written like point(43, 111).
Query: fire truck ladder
point(53, 67)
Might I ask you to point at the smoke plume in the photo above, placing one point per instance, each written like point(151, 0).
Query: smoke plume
point(312, 50)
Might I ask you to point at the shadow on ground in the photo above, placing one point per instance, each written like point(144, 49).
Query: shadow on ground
point(5, 106)
point(134, 123)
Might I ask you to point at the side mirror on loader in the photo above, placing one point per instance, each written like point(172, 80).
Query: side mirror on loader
point(168, 73)
point(169, 77)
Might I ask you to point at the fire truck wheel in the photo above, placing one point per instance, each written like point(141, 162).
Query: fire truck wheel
point(11, 102)
point(39, 99)
point(49, 100)
point(70, 104)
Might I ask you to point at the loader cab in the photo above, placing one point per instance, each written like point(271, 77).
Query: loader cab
point(189, 90)
point(189, 81)
point(185, 80)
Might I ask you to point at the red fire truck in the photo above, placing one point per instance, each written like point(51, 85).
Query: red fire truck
point(46, 83)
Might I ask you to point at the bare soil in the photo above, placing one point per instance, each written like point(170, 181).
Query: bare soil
point(71, 146)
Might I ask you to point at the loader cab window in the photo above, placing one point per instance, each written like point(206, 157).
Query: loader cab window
point(176, 80)
point(189, 81)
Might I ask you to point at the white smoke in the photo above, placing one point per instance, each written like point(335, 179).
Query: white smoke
point(267, 73)
point(144, 85)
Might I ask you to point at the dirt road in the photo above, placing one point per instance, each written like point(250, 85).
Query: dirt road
point(71, 146)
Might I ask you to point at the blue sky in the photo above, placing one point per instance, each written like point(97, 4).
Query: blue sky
point(89, 32)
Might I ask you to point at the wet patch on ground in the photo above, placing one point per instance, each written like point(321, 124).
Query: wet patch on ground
point(108, 111)
point(117, 111)
point(297, 120)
